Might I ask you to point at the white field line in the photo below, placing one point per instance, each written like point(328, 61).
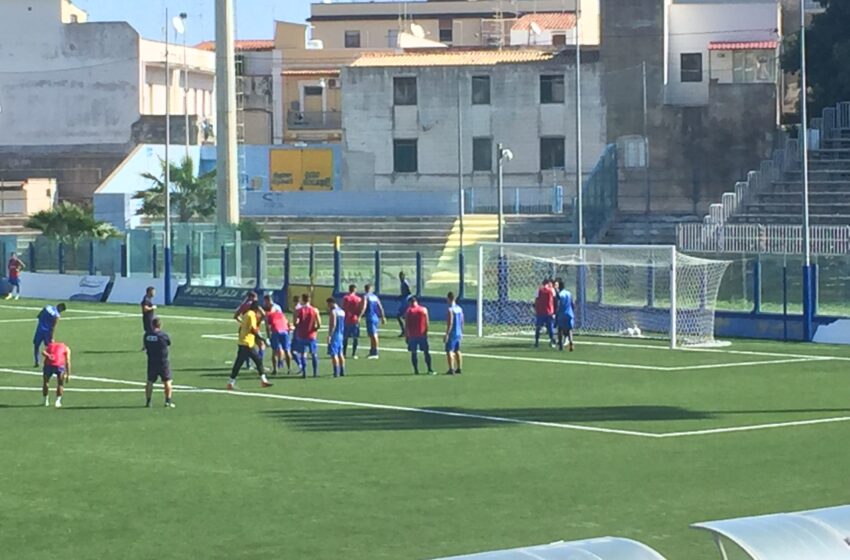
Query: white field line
point(356, 404)
point(123, 314)
point(33, 320)
point(530, 359)
point(495, 419)
point(76, 390)
point(708, 350)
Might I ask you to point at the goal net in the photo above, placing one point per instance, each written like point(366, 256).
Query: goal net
point(619, 290)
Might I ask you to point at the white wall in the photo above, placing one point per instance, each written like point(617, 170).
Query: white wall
point(515, 117)
point(65, 83)
point(693, 24)
point(201, 97)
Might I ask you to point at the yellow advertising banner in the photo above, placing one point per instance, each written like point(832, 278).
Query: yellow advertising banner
point(301, 170)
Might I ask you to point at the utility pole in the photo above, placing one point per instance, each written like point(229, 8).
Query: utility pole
point(579, 181)
point(166, 244)
point(646, 142)
point(226, 154)
point(808, 284)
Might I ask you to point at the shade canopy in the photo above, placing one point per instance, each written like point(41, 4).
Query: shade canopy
point(823, 534)
point(607, 548)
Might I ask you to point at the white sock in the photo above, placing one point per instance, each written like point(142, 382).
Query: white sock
point(263, 378)
point(232, 381)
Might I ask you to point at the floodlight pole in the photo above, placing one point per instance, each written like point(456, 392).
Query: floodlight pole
point(226, 155)
point(167, 241)
point(500, 184)
point(460, 208)
point(808, 288)
point(579, 182)
point(183, 16)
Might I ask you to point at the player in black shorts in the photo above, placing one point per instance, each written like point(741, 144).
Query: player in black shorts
point(156, 345)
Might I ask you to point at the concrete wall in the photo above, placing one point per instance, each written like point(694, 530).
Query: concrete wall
point(343, 203)
point(515, 117)
point(692, 25)
point(65, 84)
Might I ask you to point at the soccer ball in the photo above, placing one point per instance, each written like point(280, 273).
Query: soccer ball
point(633, 331)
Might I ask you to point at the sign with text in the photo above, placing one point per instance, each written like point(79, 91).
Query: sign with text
point(301, 170)
point(210, 296)
point(69, 287)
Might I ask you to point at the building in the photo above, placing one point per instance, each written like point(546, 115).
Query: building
point(76, 96)
point(482, 23)
point(544, 29)
point(406, 114)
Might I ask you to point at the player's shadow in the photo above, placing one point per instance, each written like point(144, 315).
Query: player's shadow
point(366, 419)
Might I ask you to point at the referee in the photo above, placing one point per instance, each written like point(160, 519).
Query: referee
point(156, 345)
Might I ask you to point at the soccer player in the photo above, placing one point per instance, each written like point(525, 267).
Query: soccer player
point(249, 333)
point(404, 290)
point(307, 325)
point(244, 307)
point(373, 312)
point(156, 344)
point(565, 315)
point(351, 304)
point(15, 266)
point(544, 310)
point(57, 361)
point(454, 335)
point(47, 320)
point(277, 330)
point(416, 331)
point(148, 309)
point(336, 335)
point(296, 305)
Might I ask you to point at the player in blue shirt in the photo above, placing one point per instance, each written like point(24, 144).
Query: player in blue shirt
point(404, 290)
point(454, 335)
point(373, 312)
point(336, 335)
point(47, 319)
point(565, 315)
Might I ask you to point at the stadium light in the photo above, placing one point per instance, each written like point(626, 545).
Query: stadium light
point(179, 24)
point(503, 154)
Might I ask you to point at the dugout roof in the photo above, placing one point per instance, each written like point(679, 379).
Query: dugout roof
point(607, 548)
point(823, 534)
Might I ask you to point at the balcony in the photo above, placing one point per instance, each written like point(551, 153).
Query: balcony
point(314, 120)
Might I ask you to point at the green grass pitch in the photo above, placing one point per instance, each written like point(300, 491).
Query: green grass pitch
point(527, 447)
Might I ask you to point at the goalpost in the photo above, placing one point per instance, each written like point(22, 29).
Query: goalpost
point(648, 291)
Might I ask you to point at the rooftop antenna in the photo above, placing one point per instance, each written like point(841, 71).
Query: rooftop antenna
point(536, 32)
point(417, 30)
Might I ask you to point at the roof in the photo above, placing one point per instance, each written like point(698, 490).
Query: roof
point(551, 21)
point(313, 72)
point(820, 534)
point(742, 45)
point(243, 45)
point(453, 57)
point(606, 548)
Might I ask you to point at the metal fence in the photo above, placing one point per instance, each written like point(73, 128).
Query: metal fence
point(762, 239)
point(600, 196)
point(517, 200)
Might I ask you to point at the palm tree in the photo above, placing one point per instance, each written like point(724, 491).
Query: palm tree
point(191, 196)
point(68, 223)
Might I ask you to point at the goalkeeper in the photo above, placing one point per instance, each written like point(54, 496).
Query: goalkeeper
point(565, 315)
point(249, 334)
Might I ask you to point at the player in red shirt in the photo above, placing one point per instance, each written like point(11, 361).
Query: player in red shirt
point(351, 304)
point(307, 325)
point(57, 361)
point(416, 332)
point(544, 311)
point(277, 331)
point(15, 266)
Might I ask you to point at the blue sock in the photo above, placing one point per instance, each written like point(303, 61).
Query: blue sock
point(342, 371)
point(537, 336)
point(35, 354)
point(354, 347)
point(414, 359)
point(428, 360)
point(315, 359)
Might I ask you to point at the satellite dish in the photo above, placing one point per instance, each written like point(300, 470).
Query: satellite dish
point(178, 24)
point(535, 28)
point(417, 30)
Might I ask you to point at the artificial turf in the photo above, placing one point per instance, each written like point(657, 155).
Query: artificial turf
point(240, 476)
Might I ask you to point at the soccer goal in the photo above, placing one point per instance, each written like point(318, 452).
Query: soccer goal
point(644, 291)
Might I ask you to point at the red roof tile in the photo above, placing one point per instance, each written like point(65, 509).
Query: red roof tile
point(243, 45)
point(452, 57)
point(742, 45)
point(551, 21)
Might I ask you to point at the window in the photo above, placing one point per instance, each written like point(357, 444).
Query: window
point(404, 91)
point(480, 90)
point(752, 67)
point(392, 38)
point(691, 67)
point(313, 90)
point(352, 39)
point(482, 154)
point(552, 88)
point(405, 158)
point(239, 61)
point(552, 153)
point(446, 30)
point(559, 39)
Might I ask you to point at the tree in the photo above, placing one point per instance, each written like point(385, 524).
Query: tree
point(828, 50)
point(252, 231)
point(68, 223)
point(191, 196)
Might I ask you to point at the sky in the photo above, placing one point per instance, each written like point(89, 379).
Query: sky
point(254, 18)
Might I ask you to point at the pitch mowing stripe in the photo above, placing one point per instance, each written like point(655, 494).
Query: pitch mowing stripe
point(496, 419)
point(356, 404)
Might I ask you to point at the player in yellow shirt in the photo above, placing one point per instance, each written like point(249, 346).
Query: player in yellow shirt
point(249, 335)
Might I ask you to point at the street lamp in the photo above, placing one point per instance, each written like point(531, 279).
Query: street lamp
point(503, 154)
point(179, 24)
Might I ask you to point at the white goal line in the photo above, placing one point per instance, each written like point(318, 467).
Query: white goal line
point(495, 419)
